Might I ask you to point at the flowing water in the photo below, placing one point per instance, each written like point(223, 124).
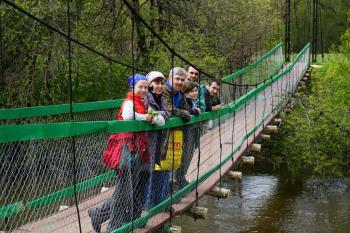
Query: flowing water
point(263, 202)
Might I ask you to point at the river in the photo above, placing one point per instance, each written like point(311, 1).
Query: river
point(267, 202)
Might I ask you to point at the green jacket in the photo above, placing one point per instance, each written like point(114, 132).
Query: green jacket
point(205, 101)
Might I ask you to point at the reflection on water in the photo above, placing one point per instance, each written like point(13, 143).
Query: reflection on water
point(265, 203)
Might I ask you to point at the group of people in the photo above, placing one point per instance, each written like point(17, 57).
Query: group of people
point(141, 182)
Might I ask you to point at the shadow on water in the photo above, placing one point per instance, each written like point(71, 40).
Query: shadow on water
point(268, 202)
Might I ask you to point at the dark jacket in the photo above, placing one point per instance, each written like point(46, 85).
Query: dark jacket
point(182, 110)
point(151, 101)
point(158, 140)
point(193, 110)
point(207, 101)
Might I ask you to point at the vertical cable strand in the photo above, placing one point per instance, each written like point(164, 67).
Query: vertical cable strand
point(73, 149)
point(173, 139)
point(199, 130)
point(245, 116)
point(220, 139)
point(133, 103)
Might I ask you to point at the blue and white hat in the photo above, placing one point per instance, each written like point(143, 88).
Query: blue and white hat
point(137, 78)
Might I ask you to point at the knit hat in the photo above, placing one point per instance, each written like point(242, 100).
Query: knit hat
point(152, 75)
point(137, 78)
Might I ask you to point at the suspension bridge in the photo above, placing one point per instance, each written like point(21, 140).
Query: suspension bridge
point(46, 147)
point(56, 173)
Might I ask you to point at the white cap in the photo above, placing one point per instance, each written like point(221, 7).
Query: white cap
point(152, 75)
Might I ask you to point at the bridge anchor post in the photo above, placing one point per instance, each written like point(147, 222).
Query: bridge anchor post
point(248, 160)
point(234, 175)
point(265, 136)
point(269, 129)
point(63, 207)
point(254, 147)
point(172, 229)
point(198, 212)
point(219, 192)
point(277, 121)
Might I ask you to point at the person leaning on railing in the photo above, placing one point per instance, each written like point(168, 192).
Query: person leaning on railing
point(190, 90)
point(191, 134)
point(127, 153)
point(157, 188)
point(209, 100)
point(175, 102)
point(192, 74)
point(174, 97)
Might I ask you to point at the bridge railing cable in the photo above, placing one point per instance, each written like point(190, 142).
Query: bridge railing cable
point(69, 37)
point(170, 49)
point(73, 167)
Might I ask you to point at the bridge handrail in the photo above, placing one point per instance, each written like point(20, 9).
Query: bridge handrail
point(19, 206)
point(13, 133)
point(40, 111)
point(254, 64)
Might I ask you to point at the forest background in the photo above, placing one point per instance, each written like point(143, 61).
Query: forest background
point(218, 36)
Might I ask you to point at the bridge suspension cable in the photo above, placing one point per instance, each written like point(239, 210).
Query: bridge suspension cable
point(69, 37)
point(133, 11)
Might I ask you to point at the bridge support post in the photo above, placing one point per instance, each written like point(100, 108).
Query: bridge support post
point(219, 192)
point(254, 147)
point(198, 212)
point(248, 160)
point(172, 229)
point(234, 175)
point(104, 189)
point(269, 129)
point(265, 136)
point(63, 207)
point(277, 121)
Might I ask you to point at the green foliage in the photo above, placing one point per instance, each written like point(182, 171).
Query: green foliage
point(332, 23)
point(314, 138)
point(345, 46)
point(219, 36)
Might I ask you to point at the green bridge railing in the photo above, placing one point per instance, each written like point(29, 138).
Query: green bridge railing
point(274, 59)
